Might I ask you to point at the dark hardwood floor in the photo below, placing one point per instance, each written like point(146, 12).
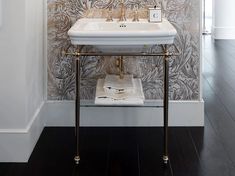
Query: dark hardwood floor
point(208, 151)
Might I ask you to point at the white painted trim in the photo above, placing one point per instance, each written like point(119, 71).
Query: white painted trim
point(16, 145)
point(181, 113)
point(27, 128)
point(223, 32)
point(45, 63)
point(1, 13)
point(200, 55)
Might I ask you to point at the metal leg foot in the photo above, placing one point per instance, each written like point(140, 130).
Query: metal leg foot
point(77, 159)
point(165, 159)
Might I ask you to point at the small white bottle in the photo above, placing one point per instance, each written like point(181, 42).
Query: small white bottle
point(155, 14)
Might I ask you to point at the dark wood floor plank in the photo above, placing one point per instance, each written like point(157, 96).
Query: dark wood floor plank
point(12, 169)
point(226, 45)
point(221, 60)
point(217, 72)
point(217, 55)
point(94, 151)
point(220, 119)
point(4, 168)
point(218, 69)
point(123, 153)
point(183, 155)
point(54, 149)
point(214, 158)
point(151, 152)
point(231, 42)
point(54, 152)
point(222, 81)
point(212, 45)
point(223, 90)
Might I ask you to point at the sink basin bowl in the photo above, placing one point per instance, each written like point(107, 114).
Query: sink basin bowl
point(124, 36)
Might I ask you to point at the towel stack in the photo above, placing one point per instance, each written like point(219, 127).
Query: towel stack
point(113, 90)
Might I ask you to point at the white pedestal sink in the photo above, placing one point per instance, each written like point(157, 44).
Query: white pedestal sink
point(124, 36)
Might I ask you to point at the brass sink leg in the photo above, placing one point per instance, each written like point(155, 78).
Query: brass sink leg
point(120, 66)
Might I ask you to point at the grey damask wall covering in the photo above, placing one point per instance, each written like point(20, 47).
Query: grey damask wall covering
point(184, 70)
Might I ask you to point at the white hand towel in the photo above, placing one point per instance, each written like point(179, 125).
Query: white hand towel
point(114, 85)
point(134, 98)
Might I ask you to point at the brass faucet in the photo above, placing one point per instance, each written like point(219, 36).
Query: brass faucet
point(110, 14)
point(136, 14)
point(123, 11)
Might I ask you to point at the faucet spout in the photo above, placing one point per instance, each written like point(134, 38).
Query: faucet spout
point(123, 11)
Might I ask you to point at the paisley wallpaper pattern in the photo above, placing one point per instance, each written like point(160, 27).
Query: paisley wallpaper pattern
point(184, 70)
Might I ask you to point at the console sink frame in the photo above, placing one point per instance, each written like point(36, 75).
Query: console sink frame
point(165, 55)
point(109, 36)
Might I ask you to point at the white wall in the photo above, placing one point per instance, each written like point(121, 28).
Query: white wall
point(12, 67)
point(34, 56)
point(21, 77)
point(223, 22)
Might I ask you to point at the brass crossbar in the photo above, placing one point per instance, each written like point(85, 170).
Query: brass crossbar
point(80, 53)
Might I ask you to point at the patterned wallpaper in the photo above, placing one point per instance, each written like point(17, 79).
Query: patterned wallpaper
point(184, 70)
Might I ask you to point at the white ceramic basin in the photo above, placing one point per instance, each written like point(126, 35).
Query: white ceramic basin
point(121, 36)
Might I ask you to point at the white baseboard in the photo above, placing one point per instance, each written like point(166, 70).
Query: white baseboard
point(181, 113)
point(223, 32)
point(16, 145)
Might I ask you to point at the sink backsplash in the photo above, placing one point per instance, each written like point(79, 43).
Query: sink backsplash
point(184, 70)
point(101, 13)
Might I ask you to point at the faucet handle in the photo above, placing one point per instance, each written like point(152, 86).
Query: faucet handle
point(110, 14)
point(136, 14)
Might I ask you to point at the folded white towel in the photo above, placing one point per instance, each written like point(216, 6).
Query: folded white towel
point(113, 84)
point(134, 98)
